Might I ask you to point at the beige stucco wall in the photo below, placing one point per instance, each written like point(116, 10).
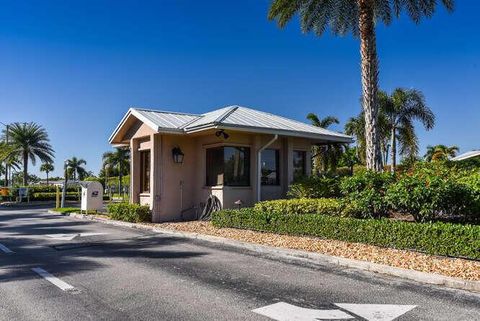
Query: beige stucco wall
point(177, 190)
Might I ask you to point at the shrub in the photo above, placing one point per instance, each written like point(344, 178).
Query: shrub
point(472, 182)
point(364, 194)
point(315, 187)
point(327, 206)
point(70, 196)
point(426, 195)
point(432, 238)
point(134, 213)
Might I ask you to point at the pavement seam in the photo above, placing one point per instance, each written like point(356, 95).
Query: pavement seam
point(309, 257)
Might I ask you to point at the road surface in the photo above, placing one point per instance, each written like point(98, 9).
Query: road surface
point(60, 268)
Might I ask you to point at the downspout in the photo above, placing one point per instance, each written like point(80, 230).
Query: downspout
point(259, 166)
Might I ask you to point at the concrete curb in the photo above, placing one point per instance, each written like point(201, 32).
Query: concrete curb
point(302, 256)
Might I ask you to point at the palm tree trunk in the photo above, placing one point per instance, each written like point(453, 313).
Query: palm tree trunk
point(6, 175)
point(47, 178)
point(393, 152)
point(25, 168)
point(369, 65)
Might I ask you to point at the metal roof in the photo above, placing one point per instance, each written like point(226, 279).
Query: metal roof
point(231, 117)
point(467, 155)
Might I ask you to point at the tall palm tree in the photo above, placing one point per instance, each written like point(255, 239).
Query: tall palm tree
point(359, 17)
point(29, 141)
point(440, 152)
point(76, 169)
point(120, 158)
point(329, 154)
point(47, 168)
point(401, 109)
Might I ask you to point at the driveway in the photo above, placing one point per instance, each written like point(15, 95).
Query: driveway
point(59, 268)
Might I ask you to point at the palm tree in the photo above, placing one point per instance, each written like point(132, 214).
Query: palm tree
point(47, 168)
point(359, 17)
point(29, 141)
point(329, 154)
point(120, 159)
point(440, 152)
point(401, 109)
point(355, 126)
point(75, 168)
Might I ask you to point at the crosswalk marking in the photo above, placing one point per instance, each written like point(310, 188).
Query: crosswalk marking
point(5, 249)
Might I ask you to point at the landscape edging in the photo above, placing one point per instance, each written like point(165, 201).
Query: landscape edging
point(315, 258)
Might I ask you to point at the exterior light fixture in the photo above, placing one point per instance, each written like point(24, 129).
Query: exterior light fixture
point(177, 155)
point(222, 133)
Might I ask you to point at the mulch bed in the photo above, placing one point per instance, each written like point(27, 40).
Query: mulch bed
point(453, 267)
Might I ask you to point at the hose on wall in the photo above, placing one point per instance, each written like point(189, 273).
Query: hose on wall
point(213, 204)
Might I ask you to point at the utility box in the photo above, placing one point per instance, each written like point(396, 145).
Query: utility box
point(92, 196)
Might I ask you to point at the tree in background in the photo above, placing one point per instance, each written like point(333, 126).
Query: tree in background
point(401, 109)
point(29, 141)
point(349, 158)
point(119, 160)
point(47, 168)
point(325, 156)
point(76, 169)
point(440, 153)
point(359, 17)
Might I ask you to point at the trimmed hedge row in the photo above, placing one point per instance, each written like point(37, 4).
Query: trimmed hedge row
point(327, 206)
point(433, 238)
point(70, 196)
point(134, 213)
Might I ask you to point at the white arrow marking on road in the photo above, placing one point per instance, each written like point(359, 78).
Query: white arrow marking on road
point(54, 280)
point(287, 312)
point(5, 249)
point(377, 312)
point(69, 237)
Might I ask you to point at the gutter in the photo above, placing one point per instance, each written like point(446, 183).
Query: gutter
point(259, 167)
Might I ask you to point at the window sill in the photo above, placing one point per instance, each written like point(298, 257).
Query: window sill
point(223, 187)
point(144, 195)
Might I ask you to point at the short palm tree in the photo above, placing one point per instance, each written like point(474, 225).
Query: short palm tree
point(440, 153)
point(47, 168)
point(29, 141)
point(327, 155)
point(76, 169)
point(359, 17)
point(401, 109)
point(119, 159)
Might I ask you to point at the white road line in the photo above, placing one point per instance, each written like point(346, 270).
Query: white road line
point(54, 280)
point(5, 249)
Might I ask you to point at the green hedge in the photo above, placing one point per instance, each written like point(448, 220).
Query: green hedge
point(129, 212)
point(327, 206)
point(432, 238)
point(70, 196)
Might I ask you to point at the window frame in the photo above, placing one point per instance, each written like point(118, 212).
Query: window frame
point(145, 171)
point(212, 182)
point(277, 167)
point(304, 165)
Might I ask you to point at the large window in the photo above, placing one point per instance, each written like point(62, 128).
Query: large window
point(228, 165)
point(270, 167)
point(299, 164)
point(145, 171)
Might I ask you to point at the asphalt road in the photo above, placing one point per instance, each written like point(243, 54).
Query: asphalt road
point(84, 270)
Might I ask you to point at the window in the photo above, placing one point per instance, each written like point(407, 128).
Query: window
point(228, 165)
point(270, 167)
point(299, 164)
point(145, 171)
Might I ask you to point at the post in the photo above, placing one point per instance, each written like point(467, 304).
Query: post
point(64, 191)
point(57, 198)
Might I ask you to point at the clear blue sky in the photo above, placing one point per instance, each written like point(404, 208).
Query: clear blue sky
point(77, 66)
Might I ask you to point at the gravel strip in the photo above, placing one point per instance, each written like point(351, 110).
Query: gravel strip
point(458, 268)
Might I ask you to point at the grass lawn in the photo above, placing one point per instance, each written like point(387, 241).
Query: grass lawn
point(67, 210)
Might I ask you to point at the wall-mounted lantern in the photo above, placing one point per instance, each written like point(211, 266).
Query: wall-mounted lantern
point(177, 155)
